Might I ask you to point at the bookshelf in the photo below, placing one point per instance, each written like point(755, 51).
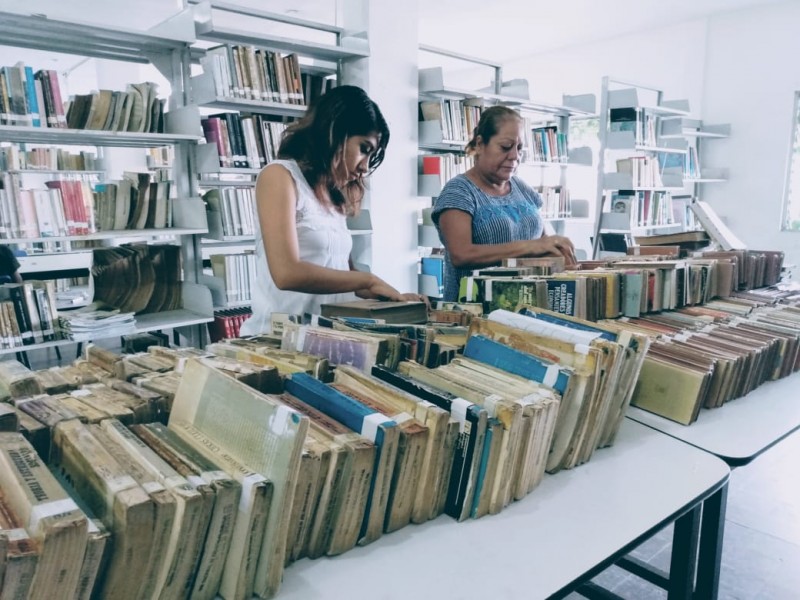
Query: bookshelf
point(314, 53)
point(167, 47)
point(449, 114)
point(639, 168)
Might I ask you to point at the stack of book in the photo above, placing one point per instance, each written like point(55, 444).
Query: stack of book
point(243, 141)
point(227, 323)
point(96, 321)
point(138, 110)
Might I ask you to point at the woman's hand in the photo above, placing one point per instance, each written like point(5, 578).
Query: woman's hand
point(380, 290)
point(555, 245)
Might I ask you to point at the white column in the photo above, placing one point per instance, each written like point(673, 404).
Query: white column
point(390, 77)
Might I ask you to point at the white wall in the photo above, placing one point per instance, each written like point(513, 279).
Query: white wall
point(735, 68)
point(390, 77)
point(751, 78)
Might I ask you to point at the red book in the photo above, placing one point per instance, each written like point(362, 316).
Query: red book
point(431, 165)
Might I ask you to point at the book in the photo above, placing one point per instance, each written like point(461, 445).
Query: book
point(389, 312)
point(376, 427)
point(19, 554)
point(50, 516)
point(262, 433)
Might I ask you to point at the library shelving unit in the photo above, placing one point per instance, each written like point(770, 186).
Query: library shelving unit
point(636, 197)
point(167, 47)
point(696, 176)
point(321, 50)
point(450, 113)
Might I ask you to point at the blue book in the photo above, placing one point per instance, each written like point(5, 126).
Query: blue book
point(434, 266)
point(503, 357)
point(33, 102)
point(606, 335)
point(378, 428)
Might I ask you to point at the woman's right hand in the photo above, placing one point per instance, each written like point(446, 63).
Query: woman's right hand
point(555, 245)
point(380, 290)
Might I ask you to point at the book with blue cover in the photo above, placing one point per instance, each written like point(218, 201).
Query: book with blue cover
point(376, 427)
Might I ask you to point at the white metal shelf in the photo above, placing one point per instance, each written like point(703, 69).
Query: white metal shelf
point(56, 172)
point(207, 29)
point(107, 235)
point(256, 106)
point(91, 137)
point(70, 37)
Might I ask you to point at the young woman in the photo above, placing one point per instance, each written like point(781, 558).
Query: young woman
point(488, 214)
point(303, 244)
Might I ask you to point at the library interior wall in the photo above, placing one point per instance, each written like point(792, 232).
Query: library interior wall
point(390, 76)
point(733, 68)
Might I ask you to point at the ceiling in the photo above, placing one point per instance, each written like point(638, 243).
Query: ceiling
point(499, 30)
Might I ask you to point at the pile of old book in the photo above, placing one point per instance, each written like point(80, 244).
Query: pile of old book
point(209, 471)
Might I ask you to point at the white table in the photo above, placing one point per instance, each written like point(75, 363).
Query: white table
point(574, 525)
point(741, 429)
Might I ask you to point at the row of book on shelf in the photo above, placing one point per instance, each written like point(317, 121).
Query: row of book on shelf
point(645, 208)
point(242, 140)
point(20, 157)
point(29, 312)
point(30, 99)
point(238, 272)
point(641, 123)
point(234, 208)
point(446, 166)
point(73, 207)
point(457, 118)
point(227, 323)
point(252, 73)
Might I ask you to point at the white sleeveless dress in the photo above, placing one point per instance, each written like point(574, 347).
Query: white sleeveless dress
point(323, 239)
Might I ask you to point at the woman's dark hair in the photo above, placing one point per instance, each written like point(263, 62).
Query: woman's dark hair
point(489, 124)
point(317, 140)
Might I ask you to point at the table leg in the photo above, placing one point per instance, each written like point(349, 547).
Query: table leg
point(710, 557)
point(683, 564)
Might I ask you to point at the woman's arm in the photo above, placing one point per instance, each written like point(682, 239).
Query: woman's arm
point(276, 201)
point(456, 228)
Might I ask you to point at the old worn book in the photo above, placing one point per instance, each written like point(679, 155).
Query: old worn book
point(8, 418)
point(433, 417)
point(388, 312)
point(164, 384)
point(53, 381)
point(412, 447)
point(287, 362)
point(50, 516)
point(115, 497)
point(337, 522)
point(152, 407)
point(358, 349)
point(19, 554)
point(163, 503)
point(671, 389)
point(220, 494)
point(247, 542)
point(314, 464)
point(17, 381)
point(100, 357)
point(376, 427)
point(460, 486)
point(105, 400)
point(262, 433)
point(37, 433)
point(187, 535)
point(84, 412)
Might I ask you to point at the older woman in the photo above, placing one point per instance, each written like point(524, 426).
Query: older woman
point(488, 214)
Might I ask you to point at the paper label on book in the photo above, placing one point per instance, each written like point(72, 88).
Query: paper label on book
point(402, 418)
point(459, 408)
point(80, 393)
point(487, 292)
point(246, 499)
point(710, 328)
point(151, 487)
point(14, 535)
point(551, 376)
point(470, 281)
point(181, 364)
point(490, 404)
point(49, 509)
point(582, 349)
point(195, 480)
point(369, 426)
point(118, 484)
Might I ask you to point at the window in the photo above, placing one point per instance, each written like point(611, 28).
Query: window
point(791, 205)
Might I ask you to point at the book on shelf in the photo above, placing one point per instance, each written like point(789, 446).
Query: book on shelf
point(227, 322)
point(30, 99)
point(243, 140)
point(681, 238)
point(233, 208)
